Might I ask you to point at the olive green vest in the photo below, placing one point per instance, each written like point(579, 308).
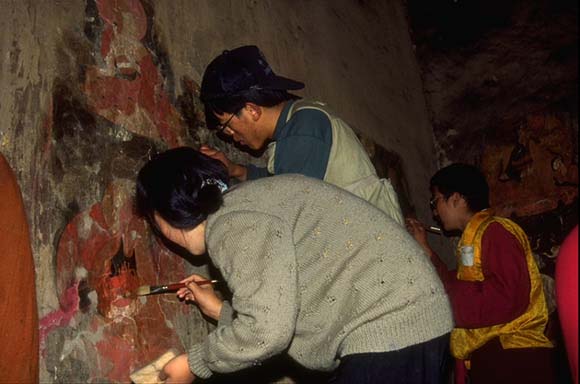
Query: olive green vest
point(349, 166)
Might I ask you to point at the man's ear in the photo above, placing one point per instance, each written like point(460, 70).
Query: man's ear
point(457, 199)
point(254, 110)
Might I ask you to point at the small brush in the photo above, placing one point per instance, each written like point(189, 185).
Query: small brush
point(433, 229)
point(156, 289)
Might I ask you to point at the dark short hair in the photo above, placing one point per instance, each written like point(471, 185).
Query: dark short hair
point(235, 102)
point(182, 186)
point(466, 180)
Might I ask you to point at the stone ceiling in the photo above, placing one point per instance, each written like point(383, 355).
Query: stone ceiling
point(488, 62)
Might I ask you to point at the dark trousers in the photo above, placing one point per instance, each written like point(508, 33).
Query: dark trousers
point(425, 363)
point(493, 364)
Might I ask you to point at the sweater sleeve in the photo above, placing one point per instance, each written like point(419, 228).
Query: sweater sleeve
point(255, 172)
point(504, 293)
point(255, 254)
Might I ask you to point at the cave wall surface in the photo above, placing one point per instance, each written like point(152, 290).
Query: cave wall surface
point(89, 90)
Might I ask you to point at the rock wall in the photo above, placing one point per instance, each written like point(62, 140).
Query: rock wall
point(90, 89)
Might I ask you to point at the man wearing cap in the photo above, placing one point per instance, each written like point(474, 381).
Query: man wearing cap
point(246, 100)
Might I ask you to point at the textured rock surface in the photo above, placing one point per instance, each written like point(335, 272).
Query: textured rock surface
point(487, 65)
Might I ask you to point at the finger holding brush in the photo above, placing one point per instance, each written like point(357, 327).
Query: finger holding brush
point(419, 231)
point(203, 295)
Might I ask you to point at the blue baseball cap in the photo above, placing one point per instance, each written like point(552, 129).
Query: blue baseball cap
point(239, 70)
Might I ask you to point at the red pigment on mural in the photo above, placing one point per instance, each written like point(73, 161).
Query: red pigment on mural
point(114, 350)
point(115, 97)
point(128, 91)
point(105, 234)
point(69, 306)
point(112, 93)
point(112, 11)
point(112, 291)
point(97, 215)
point(130, 84)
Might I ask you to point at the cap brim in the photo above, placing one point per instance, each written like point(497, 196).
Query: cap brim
point(279, 82)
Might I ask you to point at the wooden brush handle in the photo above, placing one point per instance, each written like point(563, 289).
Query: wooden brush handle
point(173, 287)
point(177, 286)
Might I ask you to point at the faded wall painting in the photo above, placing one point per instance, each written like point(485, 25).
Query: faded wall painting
point(537, 170)
point(533, 175)
point(111, 110)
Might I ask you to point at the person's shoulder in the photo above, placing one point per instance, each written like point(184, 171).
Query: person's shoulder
point(309, 114)
point(294, 183)
point(496, 228)
point(288, 181)
point(272, 185)
point(497, 233)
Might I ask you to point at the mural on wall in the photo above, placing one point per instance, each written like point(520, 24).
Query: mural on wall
point(127, 88)
point(389, 164)
point(112, 107)
point(536, 172)
point(111, 111)
point(533, 177)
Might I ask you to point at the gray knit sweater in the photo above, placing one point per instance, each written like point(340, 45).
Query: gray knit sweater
point(318, 272)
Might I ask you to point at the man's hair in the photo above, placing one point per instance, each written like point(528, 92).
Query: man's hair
point(466, 180)
point(235, 102)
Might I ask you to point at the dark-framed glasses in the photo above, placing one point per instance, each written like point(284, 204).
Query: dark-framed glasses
point(433, 202)
point(221, 128)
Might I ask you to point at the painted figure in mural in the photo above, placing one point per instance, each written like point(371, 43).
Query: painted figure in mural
point(538, 171)
point(105, 251)
point(103, 254)
point(313, 271)
point(128, 88)
point(496, 292)
point(246, 100)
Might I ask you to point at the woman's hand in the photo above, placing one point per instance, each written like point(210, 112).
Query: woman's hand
point(234, 170)
point(203, 295)
point(177, 371)
point(417, 230)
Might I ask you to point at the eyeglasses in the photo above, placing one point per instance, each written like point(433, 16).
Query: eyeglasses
point(433, 202)
point(222, 127)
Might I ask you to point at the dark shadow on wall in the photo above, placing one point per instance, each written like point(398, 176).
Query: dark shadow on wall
point(390, 165)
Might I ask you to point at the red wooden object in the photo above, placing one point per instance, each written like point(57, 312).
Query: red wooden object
point(18, 312)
